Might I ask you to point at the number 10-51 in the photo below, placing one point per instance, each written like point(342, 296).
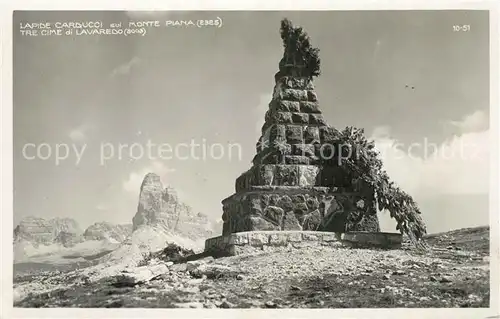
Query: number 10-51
point(464, 28)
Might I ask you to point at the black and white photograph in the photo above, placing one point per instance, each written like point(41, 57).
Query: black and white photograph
point(334, 159)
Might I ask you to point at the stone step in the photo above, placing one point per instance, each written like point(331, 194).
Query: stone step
point(248, 242)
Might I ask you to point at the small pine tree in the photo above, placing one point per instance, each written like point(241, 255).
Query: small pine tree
point(298, 50)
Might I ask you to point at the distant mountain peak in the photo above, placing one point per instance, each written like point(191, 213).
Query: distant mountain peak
point(160, 206)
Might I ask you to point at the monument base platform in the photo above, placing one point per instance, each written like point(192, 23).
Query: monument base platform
point(295, 208)
point(250, 242)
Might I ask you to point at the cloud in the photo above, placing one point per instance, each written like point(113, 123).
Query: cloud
point(460, 165)
point(79, 134)
point(135, 178)
point(450, 181)
point(102, 207)
point(381, 132)
point(474, 122)
point(261, 110)
point(126, 67)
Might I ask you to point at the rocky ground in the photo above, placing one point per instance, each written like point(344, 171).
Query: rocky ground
point(454, 272)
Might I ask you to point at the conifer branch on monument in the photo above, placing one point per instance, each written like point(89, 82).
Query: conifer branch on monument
point(364, 164)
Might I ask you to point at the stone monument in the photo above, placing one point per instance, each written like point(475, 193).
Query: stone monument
point(296, 182)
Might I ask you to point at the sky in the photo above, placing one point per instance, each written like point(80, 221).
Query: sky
point(406, 77)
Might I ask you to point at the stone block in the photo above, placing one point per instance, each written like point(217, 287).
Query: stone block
point(244, 181)
point(286, 203)
point(233, 250)
point(300, 118)
point(219, 242)
point(238, 239)
point(312, 203)
point(290, 222)
point(259, 223)
point(369, 223)
point(211, 243)
point(277, 91)
point(294, 237)
point(294, 95)
point(296, 160)
point(281, 118)
point(286, 175)
point(278, 239)
point(274, 199)
point(299, 198)
point(258, 239)
point(297, 83)
point(303, 150)
point(266, 174)
point(251, 204)
point(317, 119)
point(308, 175)
point(312, 220)
point(264, 198)
point(242, 223)
point(311, 135)
point(282, 148)
point(309, 107)
point(285, 106)
point(264, 139)
point(333, 237)
point(271, 158)
point(310, 237)
point(277, 133)
point(294, 107)
point(300, 211)
point(274, 106)
point(273, 155)
point(274, 214)
point(325, 152)
point(328, 135)
point(311, 96)
point(226, 228)
point(294, 134)
point(373, 239)
point(314, 160)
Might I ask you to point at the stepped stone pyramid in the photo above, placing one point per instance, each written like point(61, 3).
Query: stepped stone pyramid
point(295, 182)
